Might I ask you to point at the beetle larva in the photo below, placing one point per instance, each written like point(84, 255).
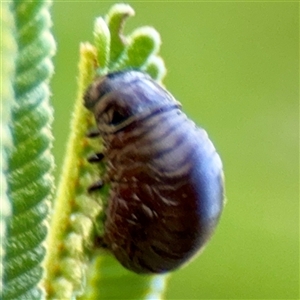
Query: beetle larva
point(166, 179)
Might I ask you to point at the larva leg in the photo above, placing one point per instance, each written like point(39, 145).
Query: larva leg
point(93, 133)
point(95, 158)
point(96, 186)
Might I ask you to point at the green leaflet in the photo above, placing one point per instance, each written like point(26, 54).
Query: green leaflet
point(74, 210)
point(115, 20)
point(102, 39)
point(139, 50)
point(29, 162)
point(142, 44)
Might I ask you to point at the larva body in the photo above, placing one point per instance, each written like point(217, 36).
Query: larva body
point(166, 183)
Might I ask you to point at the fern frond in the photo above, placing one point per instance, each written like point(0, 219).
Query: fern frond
point(29, 161)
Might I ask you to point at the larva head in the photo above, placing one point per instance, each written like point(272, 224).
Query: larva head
point(117, 98)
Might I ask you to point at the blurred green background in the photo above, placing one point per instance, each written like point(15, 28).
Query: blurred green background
point(235, 68)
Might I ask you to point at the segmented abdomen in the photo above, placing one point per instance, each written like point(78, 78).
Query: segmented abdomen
point(166, 191)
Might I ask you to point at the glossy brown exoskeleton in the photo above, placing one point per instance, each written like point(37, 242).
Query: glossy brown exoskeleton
point(166, 179)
